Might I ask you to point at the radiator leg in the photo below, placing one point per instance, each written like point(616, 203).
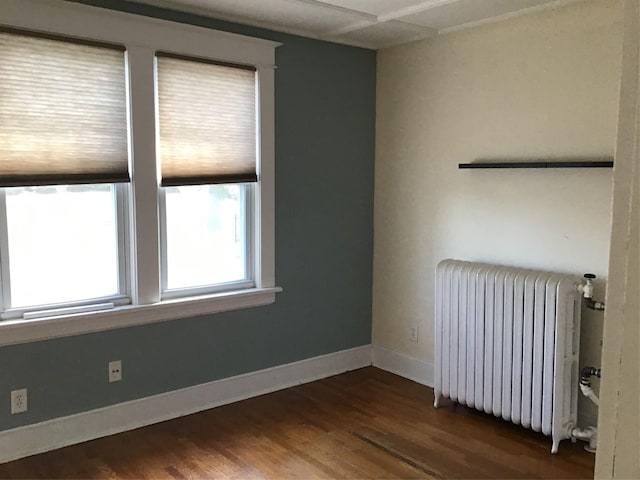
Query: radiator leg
point(555, 445)
point(436, 401)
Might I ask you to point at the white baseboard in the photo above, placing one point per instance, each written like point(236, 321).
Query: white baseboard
point(60, 432)
point(403, 365)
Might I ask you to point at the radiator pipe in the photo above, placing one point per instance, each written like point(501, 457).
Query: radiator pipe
point(585, 383)
point(587, 372)
point(590, 434)
point(589, 393)
point(594, 305)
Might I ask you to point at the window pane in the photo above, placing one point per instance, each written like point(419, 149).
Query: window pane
point(62, 243)
point(205, 235)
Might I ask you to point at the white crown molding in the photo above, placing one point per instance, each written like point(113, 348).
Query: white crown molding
point(204, 12)
point(507, 16)
point(419, 29)
point(81, 427)
point(336, 8)
point(364, 20)
point(419, 8)
point(350, 28)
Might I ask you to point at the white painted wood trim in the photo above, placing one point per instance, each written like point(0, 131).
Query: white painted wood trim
point(618, 420)
point(408, 367)
point(23, 331)
point(419, 7)
point(264, 205)
point(81, 427)
point(144, 230)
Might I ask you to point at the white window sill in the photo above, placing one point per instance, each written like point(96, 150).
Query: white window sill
point(23, 331)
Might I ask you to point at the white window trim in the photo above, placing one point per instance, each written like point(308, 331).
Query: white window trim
point(143, 37)
point(22, 331)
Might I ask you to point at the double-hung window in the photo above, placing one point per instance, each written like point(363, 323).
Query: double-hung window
point(136, 169)
point(63, 169)
point(207, 132)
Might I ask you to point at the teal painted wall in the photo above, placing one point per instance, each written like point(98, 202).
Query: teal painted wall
point(325, 122)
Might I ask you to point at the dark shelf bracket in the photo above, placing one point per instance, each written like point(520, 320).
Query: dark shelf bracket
point(538, 164)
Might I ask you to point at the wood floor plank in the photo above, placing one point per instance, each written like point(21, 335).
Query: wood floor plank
point(363, 424)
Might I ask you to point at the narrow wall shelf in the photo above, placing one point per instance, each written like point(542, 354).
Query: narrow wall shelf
point(603, 163)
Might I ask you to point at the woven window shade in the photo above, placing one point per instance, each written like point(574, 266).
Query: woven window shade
point(207, 121)
point(62, 112)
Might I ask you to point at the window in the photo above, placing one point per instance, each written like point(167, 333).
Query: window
point(207, 132)
point(63, 151)
point(136, 170)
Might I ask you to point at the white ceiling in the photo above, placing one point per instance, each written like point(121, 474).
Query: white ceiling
point(366, 23)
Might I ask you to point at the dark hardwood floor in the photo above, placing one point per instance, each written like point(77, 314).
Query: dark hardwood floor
point(362, 424)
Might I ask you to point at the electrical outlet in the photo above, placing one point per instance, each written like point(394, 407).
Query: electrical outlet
point(413, 332)
point(19, 401)
point(115, 371)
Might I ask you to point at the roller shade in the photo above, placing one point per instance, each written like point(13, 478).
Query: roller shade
point(207, 121)
point(63, 117)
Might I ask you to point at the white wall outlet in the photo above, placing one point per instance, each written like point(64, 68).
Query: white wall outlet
point(413, 332)
point(115, 371)
point(19, 401)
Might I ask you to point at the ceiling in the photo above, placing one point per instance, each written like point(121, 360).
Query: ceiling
point(365, 23)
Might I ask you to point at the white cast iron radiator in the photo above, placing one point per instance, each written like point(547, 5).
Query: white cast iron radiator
point(507, 343)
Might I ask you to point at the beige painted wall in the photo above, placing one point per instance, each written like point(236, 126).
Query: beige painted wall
point(538, 86)
point(619, 420)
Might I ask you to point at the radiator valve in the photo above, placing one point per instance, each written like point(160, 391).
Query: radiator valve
point(587, 287)
point(587, 292)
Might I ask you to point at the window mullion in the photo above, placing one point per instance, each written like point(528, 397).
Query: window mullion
point(5, 277)
point(145, 285)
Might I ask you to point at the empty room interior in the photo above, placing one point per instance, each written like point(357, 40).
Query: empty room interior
point(319, 239)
